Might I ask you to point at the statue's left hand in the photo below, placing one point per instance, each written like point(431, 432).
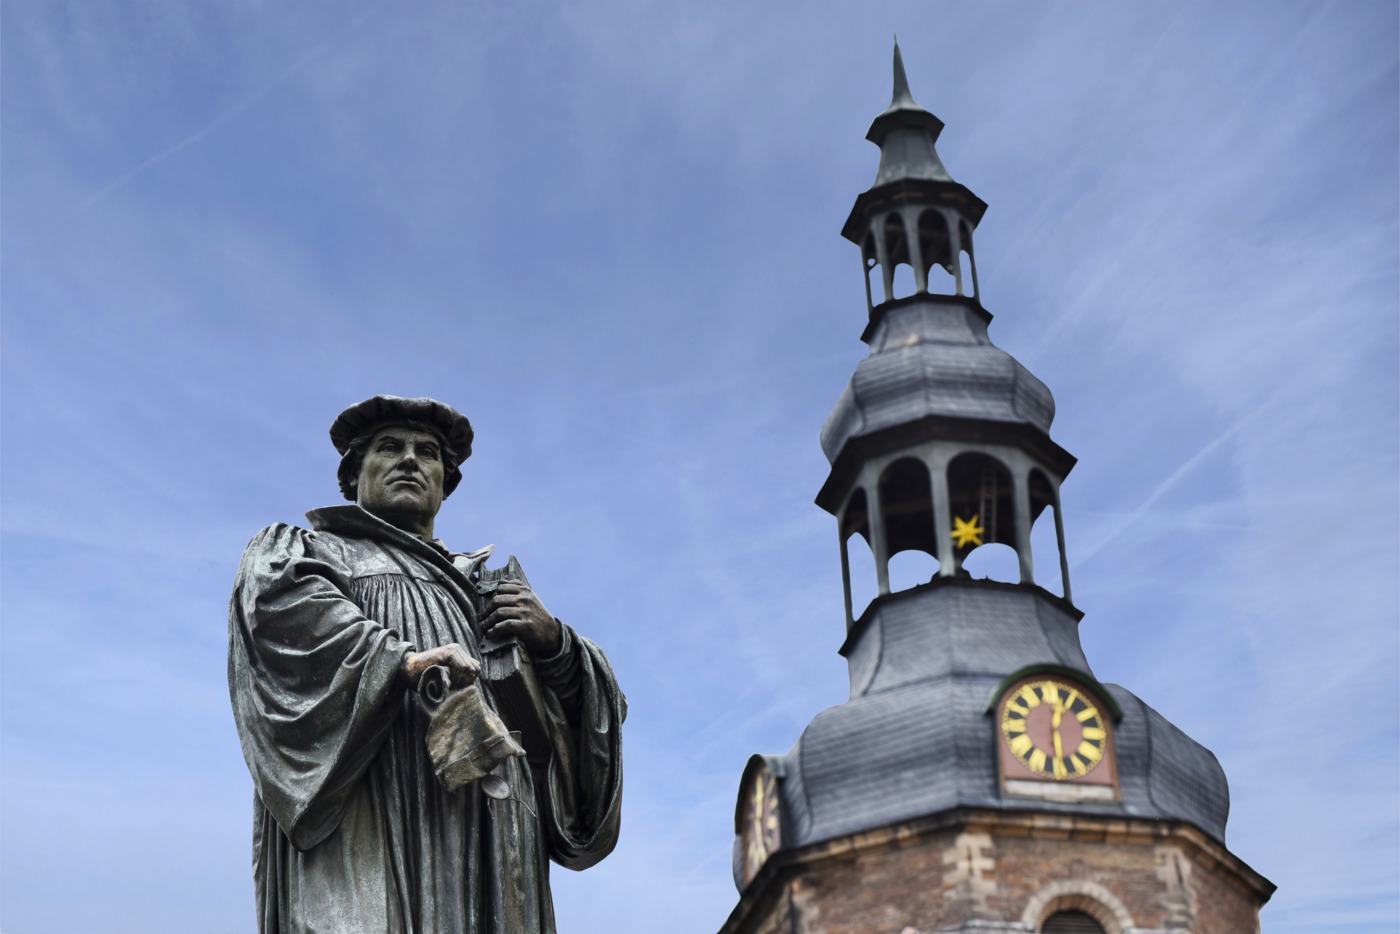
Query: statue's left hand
point(515, 610)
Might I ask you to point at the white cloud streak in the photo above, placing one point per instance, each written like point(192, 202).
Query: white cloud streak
point(321, 49)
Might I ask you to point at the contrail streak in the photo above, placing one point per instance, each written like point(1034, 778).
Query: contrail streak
point(1132, 518)
point(316, 51)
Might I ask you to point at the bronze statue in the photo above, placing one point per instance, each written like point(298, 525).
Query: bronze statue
point(423, 735)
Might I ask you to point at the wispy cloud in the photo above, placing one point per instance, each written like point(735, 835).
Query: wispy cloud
point(1134, 519)
point(321, 49)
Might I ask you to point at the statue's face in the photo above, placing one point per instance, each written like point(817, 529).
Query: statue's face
point(401, 478)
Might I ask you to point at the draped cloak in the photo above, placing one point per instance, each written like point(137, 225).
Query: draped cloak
point(352, 832)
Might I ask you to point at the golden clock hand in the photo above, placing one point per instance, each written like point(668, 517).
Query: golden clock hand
point(1055, 731)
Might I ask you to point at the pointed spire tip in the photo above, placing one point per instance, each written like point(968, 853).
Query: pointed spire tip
point(901, 94)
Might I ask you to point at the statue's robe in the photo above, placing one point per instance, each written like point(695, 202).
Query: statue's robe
point(352, 832)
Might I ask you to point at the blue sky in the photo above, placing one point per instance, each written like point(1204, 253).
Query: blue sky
point(608, 232)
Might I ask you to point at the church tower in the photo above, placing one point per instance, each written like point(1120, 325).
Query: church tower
point(980, 777)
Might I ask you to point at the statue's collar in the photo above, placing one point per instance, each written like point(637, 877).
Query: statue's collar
point(353, 519)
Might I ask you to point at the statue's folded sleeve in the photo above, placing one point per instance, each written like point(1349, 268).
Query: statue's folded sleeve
point(583, 793)
point(310, 677)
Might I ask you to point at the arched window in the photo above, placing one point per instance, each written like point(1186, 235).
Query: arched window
point(906, 502)
point(967, 266)
point(993, 562)
point(874, 291)
point(858, 561)
point(1045, 535)
point(1062, 904)
point(897, 255)
point(936, 253)
point(983, 505)
point(1071, 922)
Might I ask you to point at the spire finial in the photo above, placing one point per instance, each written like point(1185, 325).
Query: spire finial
point(917, 128)
point(901, 80)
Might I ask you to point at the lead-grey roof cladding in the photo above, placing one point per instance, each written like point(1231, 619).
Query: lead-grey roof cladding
point(920, 738)
point(933, 358)
point(906, 134)
point(928, 747)
point(956, 626)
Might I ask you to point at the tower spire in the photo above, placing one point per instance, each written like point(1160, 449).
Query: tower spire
point(904, 113)
point(915, 214)
point(901, 96)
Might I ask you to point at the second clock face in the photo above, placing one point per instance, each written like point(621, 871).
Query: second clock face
point(1054, 729)
point(762, 832)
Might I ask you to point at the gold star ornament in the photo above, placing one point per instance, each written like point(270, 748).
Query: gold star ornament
point(966, 532)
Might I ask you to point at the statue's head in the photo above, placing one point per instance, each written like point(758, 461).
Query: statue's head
point(399, 457)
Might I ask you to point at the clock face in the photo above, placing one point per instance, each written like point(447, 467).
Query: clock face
point(1054, 729)
point(762, 833)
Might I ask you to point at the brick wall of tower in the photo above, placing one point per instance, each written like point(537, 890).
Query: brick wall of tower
point(900, 878)
point(1225, 908)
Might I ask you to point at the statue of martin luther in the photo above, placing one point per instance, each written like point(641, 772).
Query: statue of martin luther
point(332, 629)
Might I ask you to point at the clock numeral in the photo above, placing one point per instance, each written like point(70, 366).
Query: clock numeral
point(1096, 733)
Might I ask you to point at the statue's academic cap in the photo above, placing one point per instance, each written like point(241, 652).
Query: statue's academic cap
point(379, 411)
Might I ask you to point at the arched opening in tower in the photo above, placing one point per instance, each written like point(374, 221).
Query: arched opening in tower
point(1071, 922)
point(858, 560)
point(874, 290)
point(897, 255)
point(983, 506)
point(1045, 538)
point(935, 251)
point(906, 505)
point(992, 562)
point(967, 266)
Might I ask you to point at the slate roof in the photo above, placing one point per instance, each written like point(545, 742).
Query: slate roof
point(906, 134)
point(917, 736)
point(932, 357)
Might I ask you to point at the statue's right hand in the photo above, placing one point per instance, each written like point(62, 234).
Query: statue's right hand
point(461, 667)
